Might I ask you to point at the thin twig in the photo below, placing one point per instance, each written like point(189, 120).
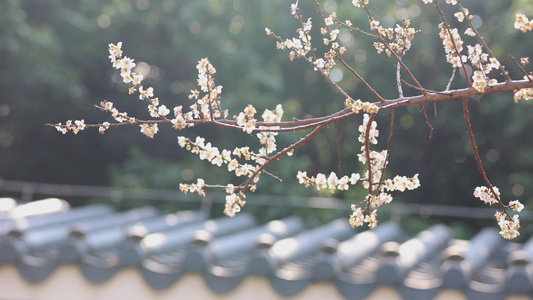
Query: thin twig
point(367, 85)
point(398, 59)
point(388, 148)
point(399, 81)
point(482, 41)
point(453, 43)
point(281, 153)
point(478, 159)
point(427, 121)
point(451, 79)
point(520, 67)
point(339, 58)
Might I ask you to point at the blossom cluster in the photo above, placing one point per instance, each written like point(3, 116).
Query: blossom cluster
point(299, 47)
point(460, 15)
point(452, 2)
point(522, 23)
point(378, 188)
point(508, 225)
point(373, 132)
point(453, 45)
point(516, 205)
point(126, 65)
point(206, 151)
point(526, 94)
point(241, 161)
point(149, 129)
point(246, 119)
point(331, 182)
point(359, 217)
point(212, 154)
point(358, 106)
point(268, 138)
point(480, 61)
point(357, 3)
point(197, 187)
point(75, 126)
point(302, 46)
point(120, 117)
point(485, 194)
point(327, 62)
point(208, 106)
point(233, 204)
point(477, 58)
point(393, 39)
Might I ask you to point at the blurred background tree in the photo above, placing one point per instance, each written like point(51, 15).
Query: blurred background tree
point(54, 67)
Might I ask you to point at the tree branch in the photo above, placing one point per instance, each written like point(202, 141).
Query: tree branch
point(478, 159)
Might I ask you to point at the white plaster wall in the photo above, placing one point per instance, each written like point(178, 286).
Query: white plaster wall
point(68, 283)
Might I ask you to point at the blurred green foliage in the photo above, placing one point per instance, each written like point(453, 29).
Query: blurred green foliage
point(53, 57)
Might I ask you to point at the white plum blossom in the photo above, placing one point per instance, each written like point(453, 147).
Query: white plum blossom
point(321, 181)
point(485, 194)
point(377, 163)
point(205, 107)
point(149, 129)
point(516, 205)
point(522, 23)
point(357, 3)
point(508, 227)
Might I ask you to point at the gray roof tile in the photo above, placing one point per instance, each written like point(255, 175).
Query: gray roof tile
point(101, 241)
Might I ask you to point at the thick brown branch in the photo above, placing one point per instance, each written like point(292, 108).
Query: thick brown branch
point(295, 125)
point(367, 85)
point(458, 93)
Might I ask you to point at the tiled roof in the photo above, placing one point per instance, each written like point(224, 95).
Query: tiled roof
point(102, 241)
